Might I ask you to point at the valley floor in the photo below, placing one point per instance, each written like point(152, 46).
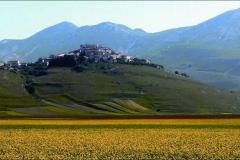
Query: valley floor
point(120, 139)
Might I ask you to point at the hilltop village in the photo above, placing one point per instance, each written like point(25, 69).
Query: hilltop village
point(98, 53)
point(78, 60)
point(87, 53)
point(93, 54)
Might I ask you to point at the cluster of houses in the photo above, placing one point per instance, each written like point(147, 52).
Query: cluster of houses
point(99, 53)
point(10, 65)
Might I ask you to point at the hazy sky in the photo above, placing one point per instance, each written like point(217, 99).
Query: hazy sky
point(22, 19)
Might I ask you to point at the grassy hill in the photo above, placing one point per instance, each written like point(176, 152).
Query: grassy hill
point(12, 94)
point(104, 90)
point(16, 102)
point(130, 89)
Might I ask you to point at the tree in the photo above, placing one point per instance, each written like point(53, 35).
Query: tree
point(39, 60)
point(52, 56)
point(185, 75)
point(30, 88)
point(81, 59)
point(79, 68)
point(65, 61)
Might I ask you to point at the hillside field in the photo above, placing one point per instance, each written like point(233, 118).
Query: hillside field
point(14, 98)
point(135, 90)
point(111, 90)
point(120, 139)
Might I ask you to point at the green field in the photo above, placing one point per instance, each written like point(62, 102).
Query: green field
point(13, 97)
point(128, 91)
point(134, 89)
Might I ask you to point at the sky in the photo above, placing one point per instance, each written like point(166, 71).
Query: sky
point(21, 19)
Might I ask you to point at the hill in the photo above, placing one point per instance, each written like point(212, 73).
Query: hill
point(14, 99)
point(208, 51)
point(111, 90)
point(131, 89)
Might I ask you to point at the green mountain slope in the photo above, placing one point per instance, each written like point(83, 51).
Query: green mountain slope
point(129, 89)
point(111, 90)
point(16, 102)
point(13, 95)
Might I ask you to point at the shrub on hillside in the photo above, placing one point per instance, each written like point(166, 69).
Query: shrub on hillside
point(185, 75)
point(79, 68)
point(65, 61)
point(35, 69)
point(30, 88)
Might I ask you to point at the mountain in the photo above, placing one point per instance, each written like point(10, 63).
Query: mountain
point(43, 43)
point(116, 36)
point(103, 89)
point(66, 36)
point(209, 51)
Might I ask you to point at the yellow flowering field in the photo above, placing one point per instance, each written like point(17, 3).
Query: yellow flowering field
point(120, 139)
point(119, 121)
